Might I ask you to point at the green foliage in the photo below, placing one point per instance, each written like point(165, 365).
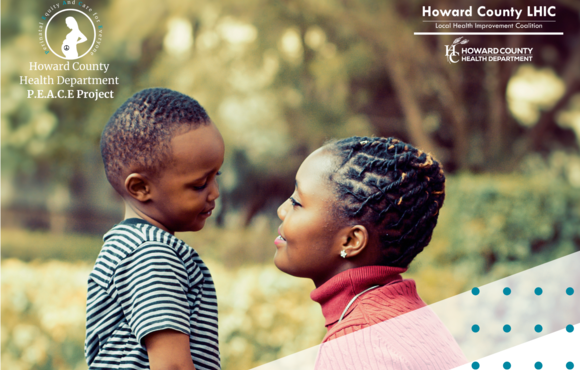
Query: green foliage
point(279, 79)
point(495, 226)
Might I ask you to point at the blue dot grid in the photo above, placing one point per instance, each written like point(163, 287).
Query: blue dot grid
point(507, 365)
point(538, 328)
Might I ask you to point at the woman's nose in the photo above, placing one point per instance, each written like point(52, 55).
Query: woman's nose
point(283, 210)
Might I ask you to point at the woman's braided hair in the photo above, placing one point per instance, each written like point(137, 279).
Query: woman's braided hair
point(393, 189)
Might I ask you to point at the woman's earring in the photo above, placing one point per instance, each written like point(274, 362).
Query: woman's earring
point(343, 254)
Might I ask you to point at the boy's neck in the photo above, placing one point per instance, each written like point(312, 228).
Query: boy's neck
point(131, 212)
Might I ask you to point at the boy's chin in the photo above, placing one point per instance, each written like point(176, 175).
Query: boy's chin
point(197, 226)
point(192, 228)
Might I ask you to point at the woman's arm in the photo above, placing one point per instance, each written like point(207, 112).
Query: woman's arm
point(82, 38)
point(168, 350)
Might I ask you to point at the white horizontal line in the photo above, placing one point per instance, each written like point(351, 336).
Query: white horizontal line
point(488, 33)
point(490, 21)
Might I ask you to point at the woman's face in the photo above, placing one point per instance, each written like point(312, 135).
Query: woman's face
point(308, 245)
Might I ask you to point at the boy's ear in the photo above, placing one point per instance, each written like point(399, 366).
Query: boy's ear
point(355, 240)
point(138, 187)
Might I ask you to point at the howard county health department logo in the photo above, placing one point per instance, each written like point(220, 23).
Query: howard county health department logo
point(67, 29)
point(456, 53)
point(450, 52)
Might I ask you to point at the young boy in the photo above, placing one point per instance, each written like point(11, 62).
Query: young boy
point(151, 300)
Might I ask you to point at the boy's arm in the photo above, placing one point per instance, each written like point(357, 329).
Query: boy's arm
point(168, 350)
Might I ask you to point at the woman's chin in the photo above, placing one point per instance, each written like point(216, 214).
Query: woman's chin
point(276, 262)
point(280, 263)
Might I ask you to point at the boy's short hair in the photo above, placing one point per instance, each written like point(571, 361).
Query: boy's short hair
point(139, 133)
point(393, 189)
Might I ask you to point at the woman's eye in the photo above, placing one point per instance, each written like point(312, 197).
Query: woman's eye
point(294, 202)
point(218, 173)
point(200, 187)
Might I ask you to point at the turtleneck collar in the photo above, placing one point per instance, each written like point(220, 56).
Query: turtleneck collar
point(336, 293)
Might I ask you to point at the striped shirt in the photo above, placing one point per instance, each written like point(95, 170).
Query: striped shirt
point(146, 280)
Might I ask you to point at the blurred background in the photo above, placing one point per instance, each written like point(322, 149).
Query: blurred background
point(279, 78)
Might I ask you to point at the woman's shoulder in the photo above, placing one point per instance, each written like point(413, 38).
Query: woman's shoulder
point(378, 305)
point(391, 300)
point(394, 324)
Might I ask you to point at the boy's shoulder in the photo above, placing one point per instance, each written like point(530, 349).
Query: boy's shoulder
point(122, 242)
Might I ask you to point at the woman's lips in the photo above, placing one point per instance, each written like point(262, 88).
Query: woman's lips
point(279, 239)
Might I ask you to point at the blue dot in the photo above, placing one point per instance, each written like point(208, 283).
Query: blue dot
point(475, 291)
point(538, 328)
point(569, 328)
point(507, 291)
point(569, 365)
point(475, 365)
point(507, 328)
point(507, 365)
point(570, 291)
point(475, 328)
point(538, 291)
point(538, 365)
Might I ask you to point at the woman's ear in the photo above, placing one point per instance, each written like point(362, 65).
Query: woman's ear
point(355, 240)
point(138, 187)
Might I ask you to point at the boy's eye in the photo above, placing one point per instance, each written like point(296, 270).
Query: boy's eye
point(201, 187)
point(294, 202)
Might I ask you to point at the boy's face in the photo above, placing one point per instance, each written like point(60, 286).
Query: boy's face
point(183, 194)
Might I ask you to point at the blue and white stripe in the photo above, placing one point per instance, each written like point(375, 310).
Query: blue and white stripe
point(146, 280)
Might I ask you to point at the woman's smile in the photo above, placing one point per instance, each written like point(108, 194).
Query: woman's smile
point(279, 241)
point(306, 246)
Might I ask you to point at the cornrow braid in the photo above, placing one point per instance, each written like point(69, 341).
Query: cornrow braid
point(391, 187)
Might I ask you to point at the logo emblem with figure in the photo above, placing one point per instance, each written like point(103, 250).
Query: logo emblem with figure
point(74, 37)
point(70, 33)
point(450, 52)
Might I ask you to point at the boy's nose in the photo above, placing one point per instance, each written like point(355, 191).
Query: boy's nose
point(283, 210)
point(214, 192)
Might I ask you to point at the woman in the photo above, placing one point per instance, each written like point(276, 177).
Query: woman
point(74, 37)
point(363, 208)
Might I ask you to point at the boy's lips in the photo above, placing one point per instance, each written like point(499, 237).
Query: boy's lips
point(207, 213)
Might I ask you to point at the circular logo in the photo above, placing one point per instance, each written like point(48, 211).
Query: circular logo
point(70, 29)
